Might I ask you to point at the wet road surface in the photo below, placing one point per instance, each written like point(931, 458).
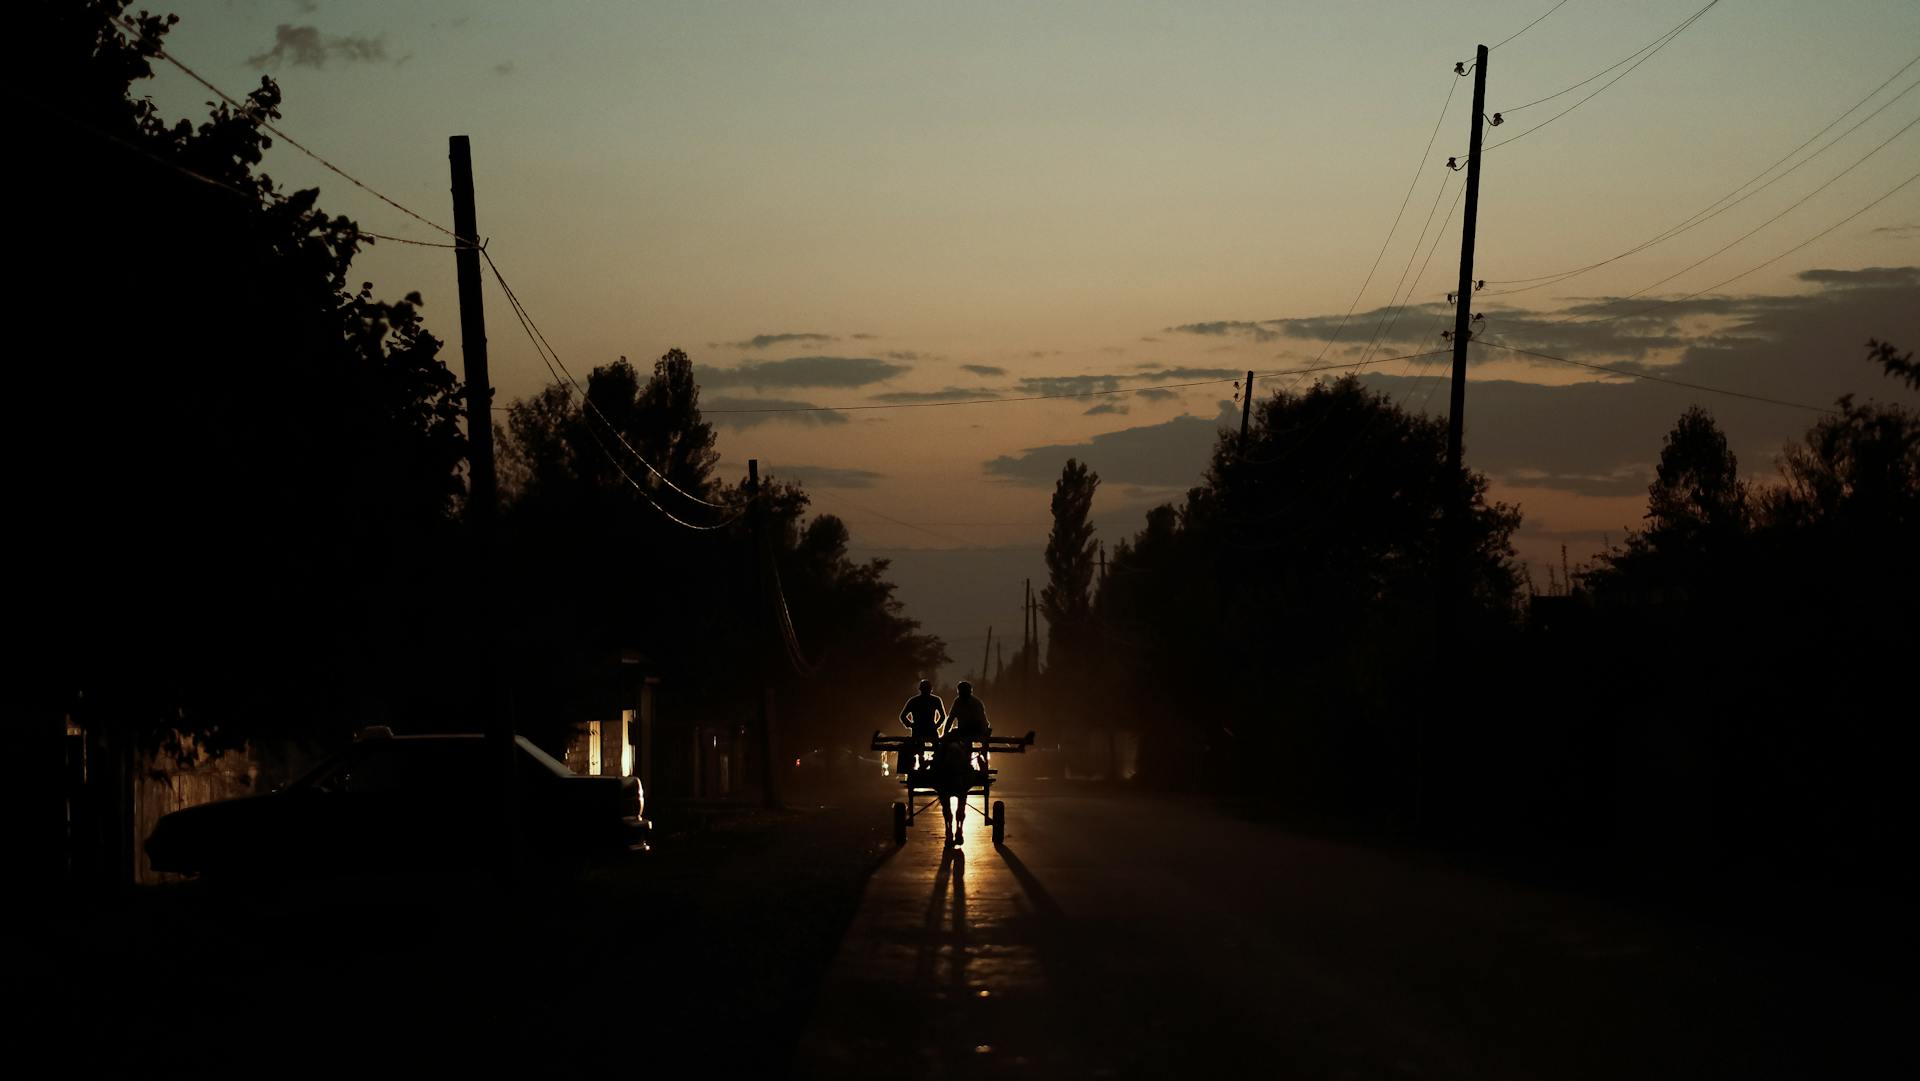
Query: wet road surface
point(1122, 937)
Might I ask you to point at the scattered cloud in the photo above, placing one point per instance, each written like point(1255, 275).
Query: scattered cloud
point(1259, 332)
point(1069, 384)
point(1601, 437)
point(1900, 232)
point(949, 394)
point(863, 337)
point(758, 411)
point(1153, 394)
point(1172, 454)
point(905, 355)
point(829, 476)
point(1157, 374)
point(803, 372)
point(761, 341)
point(305, 46)
point(984, 371)
point(503, 68)
point(1109, 407)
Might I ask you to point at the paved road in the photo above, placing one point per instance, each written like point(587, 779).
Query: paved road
point(1126, 937)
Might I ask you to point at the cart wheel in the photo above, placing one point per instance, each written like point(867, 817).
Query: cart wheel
point(899, 823)
point(999, 822)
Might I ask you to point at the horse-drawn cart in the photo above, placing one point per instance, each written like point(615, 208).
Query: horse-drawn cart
point(914, 768)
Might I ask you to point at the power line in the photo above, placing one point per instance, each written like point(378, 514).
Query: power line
point(1531, 25)
point(1391, 229)
point(1307, 437)
point(1709, 212)
point(258, 117)
point(585, 398)
point(1656, 378)
point(1769, 262)
point(1394, 301)
point(1649, 50)
point(936, 534)
point(259, 197)
point(1431, 249)
point(1742, 237)
point(540, 348)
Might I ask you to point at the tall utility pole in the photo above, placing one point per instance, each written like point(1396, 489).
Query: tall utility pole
point(769, 770)
point(1463, 310)
point(986, 656)
point(1453, 547)
point(473, 339)
point(1246, 411)
point(481, 487)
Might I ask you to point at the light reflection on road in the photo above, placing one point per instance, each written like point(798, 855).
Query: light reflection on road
point(943, 963)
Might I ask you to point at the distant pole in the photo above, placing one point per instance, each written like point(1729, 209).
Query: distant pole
point(1026, 632)
point(1103, 564)
point(988, 655)
point(769, 770)
point(481, 487)
point(1246, 411)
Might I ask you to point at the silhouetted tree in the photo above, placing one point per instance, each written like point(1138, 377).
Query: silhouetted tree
point(577, 496)
point(1697, 516)
point(1066, 600)
point(247, 467)
point(1278, 623)
point(1899, 366)
point(1697, 495)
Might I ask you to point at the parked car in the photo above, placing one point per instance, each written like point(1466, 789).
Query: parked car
point(404, 803)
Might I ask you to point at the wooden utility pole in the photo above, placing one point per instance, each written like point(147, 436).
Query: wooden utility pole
point(481, 489)
point(1453, 577)
point(988, 655)
point(1463, 312)
point(1246, 411)
point(473, 339)
point(769, 769)
point(1453, 524)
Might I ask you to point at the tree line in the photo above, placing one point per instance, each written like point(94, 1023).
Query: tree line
point(1731, 681)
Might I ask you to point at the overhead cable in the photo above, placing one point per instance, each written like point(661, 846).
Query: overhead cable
point(249, 110)
point(1721, 205)
point(1723, 248)
point(1531, 25)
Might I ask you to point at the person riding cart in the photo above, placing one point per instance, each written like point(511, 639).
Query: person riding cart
point(969, 718)
point(922, 716)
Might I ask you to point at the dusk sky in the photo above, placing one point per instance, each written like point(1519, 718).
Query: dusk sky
point(857, 204)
